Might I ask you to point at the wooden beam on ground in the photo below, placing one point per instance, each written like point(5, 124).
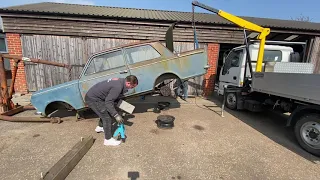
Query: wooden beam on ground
point(66, 164)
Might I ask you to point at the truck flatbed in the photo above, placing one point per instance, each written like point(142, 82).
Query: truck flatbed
point(297, 86)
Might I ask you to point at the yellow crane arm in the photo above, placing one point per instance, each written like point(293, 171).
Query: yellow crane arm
point(264, 32)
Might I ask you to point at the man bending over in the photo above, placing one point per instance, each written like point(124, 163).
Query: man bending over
point(101, 99)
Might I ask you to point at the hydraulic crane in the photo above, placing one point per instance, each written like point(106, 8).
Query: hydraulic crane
point(263, 32)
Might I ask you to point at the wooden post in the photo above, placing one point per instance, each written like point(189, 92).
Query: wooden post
point(2, 109)
point(4, 97)
point(65, 165)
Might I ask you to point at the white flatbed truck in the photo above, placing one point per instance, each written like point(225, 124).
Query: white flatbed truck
point(281, 81)
point(285, 85)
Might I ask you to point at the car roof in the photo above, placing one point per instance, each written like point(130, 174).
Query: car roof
point(126, 45)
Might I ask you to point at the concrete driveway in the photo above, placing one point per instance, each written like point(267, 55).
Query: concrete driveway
point(202, 145)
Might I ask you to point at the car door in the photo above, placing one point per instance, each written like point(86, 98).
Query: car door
point(230, 72)
point(139, 59)
point(102, 67)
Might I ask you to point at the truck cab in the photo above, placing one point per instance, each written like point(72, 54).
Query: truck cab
point(233, 69)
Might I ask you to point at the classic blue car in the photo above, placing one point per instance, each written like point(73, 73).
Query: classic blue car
point(150, 61)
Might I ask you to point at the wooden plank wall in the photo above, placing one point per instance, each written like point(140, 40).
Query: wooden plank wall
point(315, 55)
point(74, 51)
point(182, 33)
point(56, 48)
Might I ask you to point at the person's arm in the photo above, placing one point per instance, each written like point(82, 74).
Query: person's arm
point(109, 101)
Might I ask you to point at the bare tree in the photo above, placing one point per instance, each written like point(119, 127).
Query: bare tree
point(302, 18)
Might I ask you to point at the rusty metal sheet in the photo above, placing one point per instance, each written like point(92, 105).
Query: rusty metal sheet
point(4, 88)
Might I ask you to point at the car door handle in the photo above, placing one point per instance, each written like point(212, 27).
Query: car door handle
point(123, 72)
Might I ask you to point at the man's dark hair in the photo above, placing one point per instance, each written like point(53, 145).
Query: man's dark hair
point(132, 79)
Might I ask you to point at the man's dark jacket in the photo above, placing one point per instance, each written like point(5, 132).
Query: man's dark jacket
point(107, 91)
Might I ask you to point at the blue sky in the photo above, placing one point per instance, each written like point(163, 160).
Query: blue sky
point(279, 9)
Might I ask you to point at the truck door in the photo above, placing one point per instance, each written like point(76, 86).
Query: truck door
point(230, 72)
point(102, 67)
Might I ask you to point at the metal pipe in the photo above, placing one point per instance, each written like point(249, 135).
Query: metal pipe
point(281, 42)
point(224, 99)
point(248, 58)
point(19, 58)
point(13, 111)
point(17, 110)
point(2, 107)
point(7, 116)
point(30, 119)
point(28, 107)
point(15, 69)
point(4, 87)
point(196, 3)
point(193, 25)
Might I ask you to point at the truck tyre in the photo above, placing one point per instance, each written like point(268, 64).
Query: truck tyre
point(231, 100)
point(307, 132)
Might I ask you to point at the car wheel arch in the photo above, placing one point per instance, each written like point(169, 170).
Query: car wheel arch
point(55, 105)
point(164, 76)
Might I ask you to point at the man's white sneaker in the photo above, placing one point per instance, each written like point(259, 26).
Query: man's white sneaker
point(111, 142)
point(99, 129)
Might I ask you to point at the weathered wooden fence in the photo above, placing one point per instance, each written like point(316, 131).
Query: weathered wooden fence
point(74, 51)
point(315, 55)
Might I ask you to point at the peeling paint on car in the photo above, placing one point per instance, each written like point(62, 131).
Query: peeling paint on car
point(186, 65)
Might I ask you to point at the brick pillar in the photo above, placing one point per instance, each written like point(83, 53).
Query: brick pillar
point(209, 78)
point(14, 47)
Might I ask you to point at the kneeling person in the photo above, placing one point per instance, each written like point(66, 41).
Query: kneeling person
point(101, 99)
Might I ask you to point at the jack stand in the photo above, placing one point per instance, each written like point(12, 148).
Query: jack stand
point(120, 130)
point(224, 100)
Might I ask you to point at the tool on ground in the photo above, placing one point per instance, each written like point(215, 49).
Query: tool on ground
point(120, 131)
point(165, 121)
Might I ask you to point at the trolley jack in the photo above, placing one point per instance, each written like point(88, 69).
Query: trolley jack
point(120, 130)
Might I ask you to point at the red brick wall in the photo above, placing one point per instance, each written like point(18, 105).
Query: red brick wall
point(213, 56)
point(14, 47)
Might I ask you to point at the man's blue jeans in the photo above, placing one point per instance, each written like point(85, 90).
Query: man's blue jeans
point(182, 90)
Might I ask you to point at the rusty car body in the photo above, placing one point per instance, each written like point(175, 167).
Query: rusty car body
point(150, 61)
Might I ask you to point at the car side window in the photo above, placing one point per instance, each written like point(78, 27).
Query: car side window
point(141, 53)
point(233, 60)
point(106, 62)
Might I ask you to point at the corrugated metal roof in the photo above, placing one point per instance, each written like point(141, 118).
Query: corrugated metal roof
point(148, 14)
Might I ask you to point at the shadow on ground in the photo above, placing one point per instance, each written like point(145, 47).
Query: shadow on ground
point(271, 124)
point(147, 104)
point(150, 103)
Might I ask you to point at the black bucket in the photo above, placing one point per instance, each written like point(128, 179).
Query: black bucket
point(165, 121)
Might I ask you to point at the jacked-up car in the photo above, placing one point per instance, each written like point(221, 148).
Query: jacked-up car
point(150, 61)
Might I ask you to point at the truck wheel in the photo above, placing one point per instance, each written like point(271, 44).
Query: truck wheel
point(307, 132)
point(231, 100)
